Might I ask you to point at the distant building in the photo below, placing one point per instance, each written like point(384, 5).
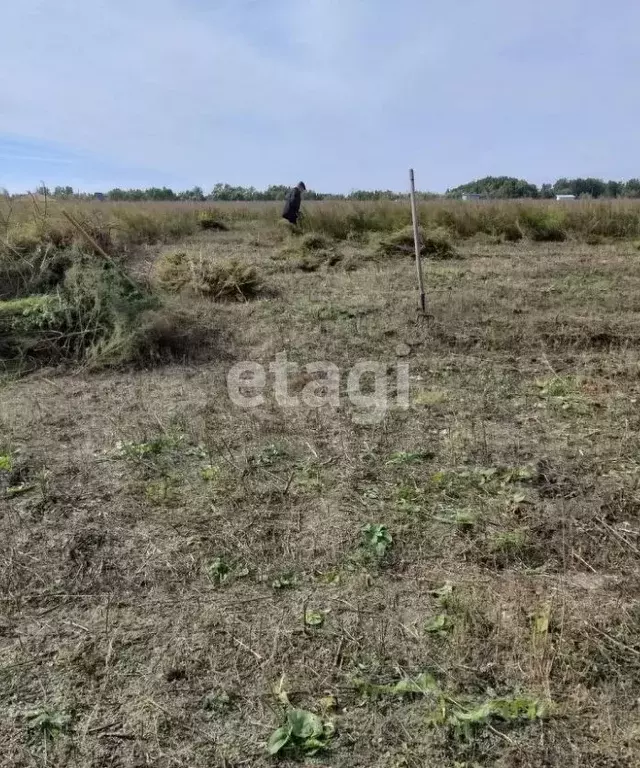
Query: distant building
point(471, 196)
point(565, 197)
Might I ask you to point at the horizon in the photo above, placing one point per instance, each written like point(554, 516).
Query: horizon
point(561, 186)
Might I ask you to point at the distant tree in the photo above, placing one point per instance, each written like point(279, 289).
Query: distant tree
point(562, 187)
point(42, 190)
point(227, 192)
point(192, 194)
point(375, 194)
point(117, 194)
point(497, 187)
point(159, 193)
point(546, 191)
point(63, 192)
point(614, 189)
point(632, 188)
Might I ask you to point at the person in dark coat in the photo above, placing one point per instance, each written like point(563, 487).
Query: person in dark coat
point(291, 211)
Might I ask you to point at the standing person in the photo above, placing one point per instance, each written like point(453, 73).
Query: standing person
point(292, 203)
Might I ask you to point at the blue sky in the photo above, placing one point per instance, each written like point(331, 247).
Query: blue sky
point(344, 94)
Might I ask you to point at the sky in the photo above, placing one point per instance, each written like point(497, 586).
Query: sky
point(342, 94)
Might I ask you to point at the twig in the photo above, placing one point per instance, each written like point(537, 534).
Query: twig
point(246, 648)
point(12, 249)
point(288, 485)
point(619, 536)
point(607, 636)
point(583, 561)
point(98, 248)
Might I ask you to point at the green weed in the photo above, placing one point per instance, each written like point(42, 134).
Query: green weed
point(47, 725)
point(269, 455)
point(211, 473)
point(423, 684)
point(164, 491)
point(466, 717)
point(440, 624)
point(149, 449)
point(218, 570)
point(301, 732)
point(376, 539)
point(510, 543)
point(314, 618)
point(6, 462)
point(286, 580)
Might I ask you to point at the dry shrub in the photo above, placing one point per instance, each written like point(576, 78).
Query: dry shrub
point(93, 314)
point(314, 261)
point(211, 220)
point(196, 273)
point(434, 245)
point(544, 226)
point(33, 258)
point(314, 241)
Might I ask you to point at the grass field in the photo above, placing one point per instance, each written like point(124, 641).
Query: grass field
point(184, 581)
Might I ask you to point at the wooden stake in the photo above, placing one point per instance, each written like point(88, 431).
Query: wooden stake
point(416, 239)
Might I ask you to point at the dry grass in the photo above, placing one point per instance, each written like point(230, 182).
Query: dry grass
point(200, 274)
point(178, 573)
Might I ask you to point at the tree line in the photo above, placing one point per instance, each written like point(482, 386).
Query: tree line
point(508, 187)
point(221, 193)
point(493, 187)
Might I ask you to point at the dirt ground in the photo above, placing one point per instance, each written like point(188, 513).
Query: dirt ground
point(454, 585)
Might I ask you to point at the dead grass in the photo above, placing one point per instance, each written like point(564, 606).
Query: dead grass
point(202, 274)
point(435, 244)
point(453, 586)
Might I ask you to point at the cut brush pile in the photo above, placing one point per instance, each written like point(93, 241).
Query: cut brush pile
point(59, 303)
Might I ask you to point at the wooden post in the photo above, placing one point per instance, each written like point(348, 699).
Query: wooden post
point(416, 239)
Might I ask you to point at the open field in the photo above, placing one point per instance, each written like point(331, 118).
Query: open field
point(454, 584)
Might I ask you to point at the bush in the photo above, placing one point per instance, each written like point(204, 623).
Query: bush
point(197, 274)
point(543, 226)
point(435, 245)
point(210, 220)
point(511, 231)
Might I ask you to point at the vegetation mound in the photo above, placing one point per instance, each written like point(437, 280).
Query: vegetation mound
point(64, 299)
point(200, 275)
point(434, 244)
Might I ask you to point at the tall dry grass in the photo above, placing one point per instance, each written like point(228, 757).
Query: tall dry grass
point(151, 222)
